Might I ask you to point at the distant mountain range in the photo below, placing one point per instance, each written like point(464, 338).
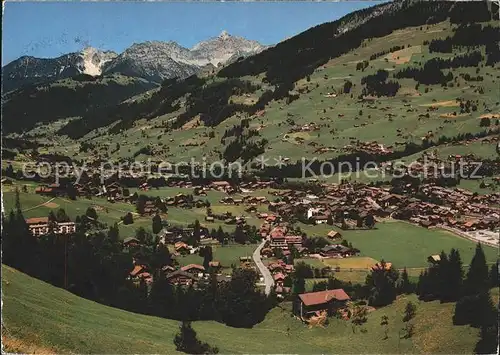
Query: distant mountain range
point(153, 61)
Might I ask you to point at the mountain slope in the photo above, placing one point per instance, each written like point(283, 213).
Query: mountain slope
point(219, 50)
point(372, 86)
point(38, 314)
point(157, 61)
point(30, 70)
point(42, 103)
point(153, 60)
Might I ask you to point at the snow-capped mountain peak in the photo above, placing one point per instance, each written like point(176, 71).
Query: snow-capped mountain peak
point(224, 35)
point(151, 60)
point(93, 60)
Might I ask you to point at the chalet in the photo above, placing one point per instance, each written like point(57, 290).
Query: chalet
point(65, 228)
point(168, 269)
point(114, 190)
point(167, 236)
point(220, 185)
point(139, 272)
point(426, 223)
point(295, 240)
point(251, 209)
point(245, 259)
point(181, 248)
point(215, 265)
point(181, 277)
point(434, 259)
point(38, 225)
point(329, 300)
point(6, 181)
point(379, 266)
point(150, 208)
point(279, 278)
point(131, 242)
point(278, 240)
point(278, 232)
point(334, 235)
point(319, 219)
point(337, 251)
point(469, 225)
point(271, 218)
point(194, 269)
point(46, 190)
point(245, 262)
point(267, 252)
point(276, 267)
point(228, 200)
point(390, 200)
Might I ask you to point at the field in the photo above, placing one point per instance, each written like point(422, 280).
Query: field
point(37, 314)
point(227, 255)
point(404, 244)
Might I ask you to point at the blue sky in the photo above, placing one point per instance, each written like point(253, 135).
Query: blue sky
point(49, 29)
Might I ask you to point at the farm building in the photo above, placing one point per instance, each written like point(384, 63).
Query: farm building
point(314, 302)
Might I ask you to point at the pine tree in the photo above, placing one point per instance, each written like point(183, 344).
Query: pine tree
point(114, 233)
point(410, 312)
point(488, 340)
point(382, 285)
point(494, 275)
point(404, 284)
point(422, 285)
point(61, 216)
point(207, 255)
point(187, 341)
point(195, 238)
point(91, 213)
point(455, 277)
point(475, 307)
point(442, 274)
point(157, 225)
point(477, 280)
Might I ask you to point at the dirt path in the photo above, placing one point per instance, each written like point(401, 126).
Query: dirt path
point(40, 205)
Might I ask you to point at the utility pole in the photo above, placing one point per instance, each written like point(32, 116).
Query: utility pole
point(65, 262)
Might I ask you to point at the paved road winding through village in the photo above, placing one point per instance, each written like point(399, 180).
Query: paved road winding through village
point(268, 279)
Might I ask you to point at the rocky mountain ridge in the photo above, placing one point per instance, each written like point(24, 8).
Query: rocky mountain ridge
point(151, 60)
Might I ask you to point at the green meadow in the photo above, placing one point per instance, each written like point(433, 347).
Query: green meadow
point(41, 317)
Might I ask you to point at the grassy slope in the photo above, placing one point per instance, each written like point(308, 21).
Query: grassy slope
point(48, 317)
point(315, 107)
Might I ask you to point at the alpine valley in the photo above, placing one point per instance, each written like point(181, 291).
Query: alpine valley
point(260, 240)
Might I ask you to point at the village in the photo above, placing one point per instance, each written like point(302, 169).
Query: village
point(276, 208)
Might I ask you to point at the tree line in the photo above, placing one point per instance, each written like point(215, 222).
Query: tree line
point(377, 84)
point(92, 263)
point(445, 281)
